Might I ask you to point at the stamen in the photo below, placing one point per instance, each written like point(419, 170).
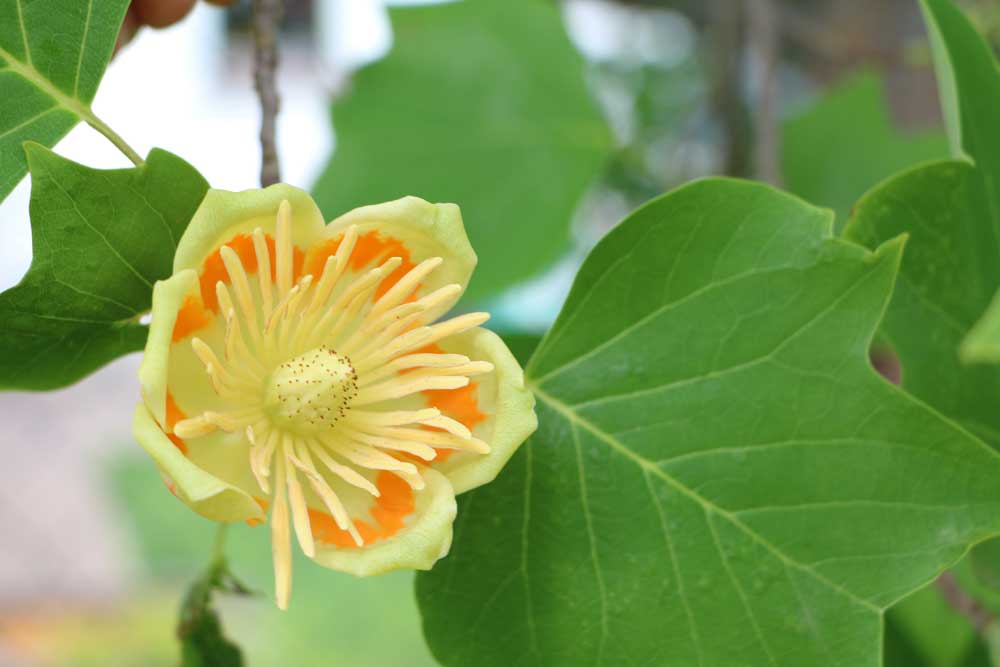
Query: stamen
point(241, 284)
point(334, 268)
point(434, 438)
point(263, 270)
point(260, 457)
point(194, 427)
point(448, 424)
point(349, 475)
point(300, 512)
point(396, 418)
point(422, 337)
point(373, 459)
point(281, 538)
point(406, 385)
point(283, 248)
point(417, 449)
point(425, 360)
point(327, 495)
point(406, 285)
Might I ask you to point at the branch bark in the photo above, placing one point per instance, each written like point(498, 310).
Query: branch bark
point(266, 23)
point(964, 603)
point(727, 37)
point(764, 45)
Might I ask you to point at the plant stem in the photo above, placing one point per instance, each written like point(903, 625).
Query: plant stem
point(219, 546)
point(112, 136)
point(266, 21)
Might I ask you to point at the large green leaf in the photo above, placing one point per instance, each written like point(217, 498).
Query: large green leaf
point(101, 239)
point(719, 477)
point(952, 213)
point(481, 103)
point(925, 631)
point(52, 57)
point(949, 275)
point(845, 143)
point(982, 345)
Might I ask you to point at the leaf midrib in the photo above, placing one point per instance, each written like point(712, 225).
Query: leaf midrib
point(30, 74)
point(567, 412)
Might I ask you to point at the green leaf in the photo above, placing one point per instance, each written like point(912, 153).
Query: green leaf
point(52, 56)
point(203, 643)
point(481, 103)
point(101, 239)
point(719, 476)
point(949, 275)
point(522, 345)
point(924, 631)
point(845, 143)
point(982, 345)
point(969, 84)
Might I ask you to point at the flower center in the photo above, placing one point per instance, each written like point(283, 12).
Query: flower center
point(311, 392)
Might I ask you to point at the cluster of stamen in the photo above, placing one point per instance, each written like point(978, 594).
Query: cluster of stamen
point(308, 371)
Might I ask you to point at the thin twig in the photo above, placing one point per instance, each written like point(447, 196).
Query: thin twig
point(763, 37)
point(963, 603)
point(727, 36)
point(266, 22)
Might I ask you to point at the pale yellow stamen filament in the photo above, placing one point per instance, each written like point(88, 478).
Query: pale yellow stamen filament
point(300, 512)
point(263, 270)
point(327, 495)
point(283, 248)
point(333, 269)
point(281, 538)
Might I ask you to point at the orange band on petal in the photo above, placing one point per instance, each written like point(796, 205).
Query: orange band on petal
point(317, 256)
point(263, 504)
point(191, 317)
point(174, 414)
point(371, 249)
point(394, 504)
point(462, 404)
point(213, 269)
point(326, 531)
point(459, 404)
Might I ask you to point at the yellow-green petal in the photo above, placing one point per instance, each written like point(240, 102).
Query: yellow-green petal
point(204, 493)
point(422, 543)
point(426, 230)
point(168, 296)
point(508, 405)
point(223, 215)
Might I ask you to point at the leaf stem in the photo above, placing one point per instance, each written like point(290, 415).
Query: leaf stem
point(219, 545)
point(75, 106)
point(112, 136)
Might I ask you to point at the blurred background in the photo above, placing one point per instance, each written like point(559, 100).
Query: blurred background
point(548, 122)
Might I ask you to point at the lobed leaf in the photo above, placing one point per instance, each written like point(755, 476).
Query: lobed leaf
point(949, 275)
point(52, 56)
point(101, 239)
point(719, 476)
point(482, 103)
point(982, 345)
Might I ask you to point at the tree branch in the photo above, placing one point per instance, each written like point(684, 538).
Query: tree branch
point(964, 603)
point(727, 37)
point(266, 22)
point(764, 43)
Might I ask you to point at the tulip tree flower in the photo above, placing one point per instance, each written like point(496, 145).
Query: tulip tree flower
point(296, 372)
